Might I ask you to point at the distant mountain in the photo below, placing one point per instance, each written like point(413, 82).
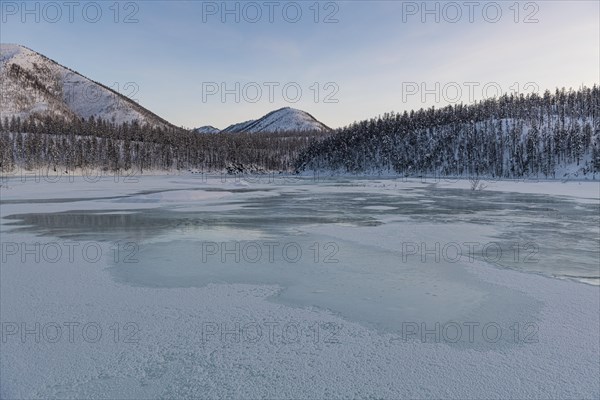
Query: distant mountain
point(34, 85)
point(207, 129)
point(239, 127)
point(283, 120)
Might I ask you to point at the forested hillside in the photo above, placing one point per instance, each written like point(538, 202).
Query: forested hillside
point(59, 144)
point(510, 136)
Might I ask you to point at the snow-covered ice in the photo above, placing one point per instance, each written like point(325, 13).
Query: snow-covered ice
point(342, 288)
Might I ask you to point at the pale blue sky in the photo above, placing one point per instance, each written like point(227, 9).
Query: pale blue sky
point(372, 54)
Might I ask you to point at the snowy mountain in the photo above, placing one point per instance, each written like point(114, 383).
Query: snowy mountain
point(207, 129)
point(239, 127)
point(34, 85)
point(283, 120)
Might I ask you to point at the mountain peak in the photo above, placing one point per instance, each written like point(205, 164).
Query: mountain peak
point(284, 119)
point(207, 129)
point(35, 85)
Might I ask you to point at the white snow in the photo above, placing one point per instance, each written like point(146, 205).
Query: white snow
point(175, 357)
point(207, 129)
point(67, 93)
point(282, 120)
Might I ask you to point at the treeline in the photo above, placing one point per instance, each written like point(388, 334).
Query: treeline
point(57, 143)
point(510, 136)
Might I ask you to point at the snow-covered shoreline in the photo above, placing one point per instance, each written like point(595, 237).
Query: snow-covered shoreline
point(583, 188)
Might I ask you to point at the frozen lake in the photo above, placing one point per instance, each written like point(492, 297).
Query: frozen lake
point(368, 288)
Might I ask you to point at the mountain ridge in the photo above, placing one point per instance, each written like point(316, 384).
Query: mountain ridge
point(284, 119)
point(207, 129)
point(34, 85)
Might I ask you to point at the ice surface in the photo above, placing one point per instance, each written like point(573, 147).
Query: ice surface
point(360, 304)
